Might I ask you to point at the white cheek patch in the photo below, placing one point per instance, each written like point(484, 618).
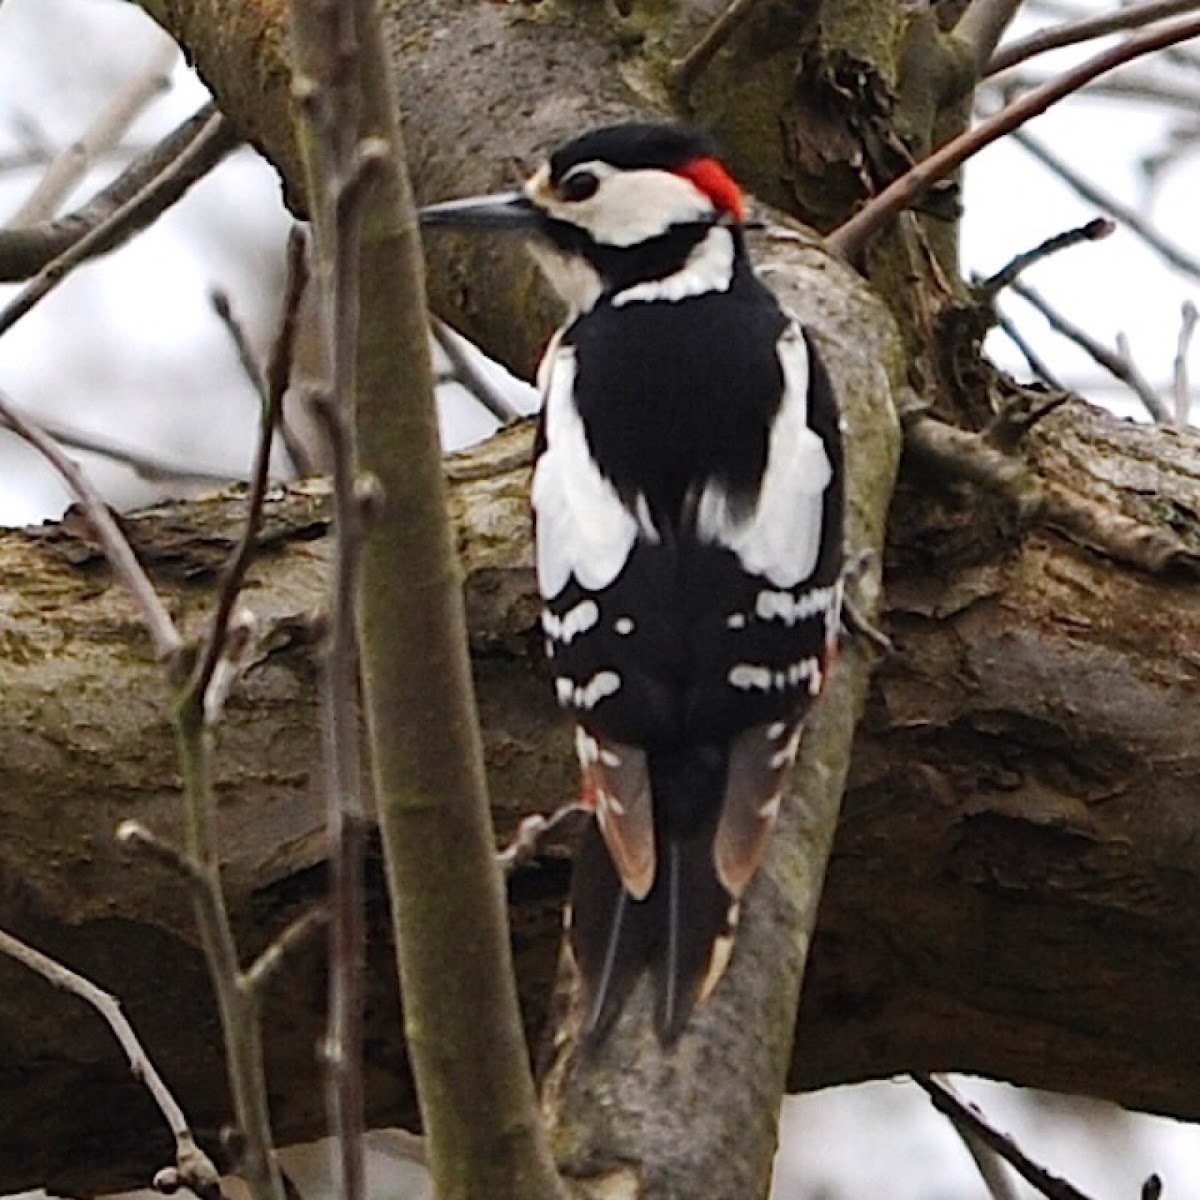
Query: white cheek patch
point(781, 538)
point(629, 206)
point(583, 529)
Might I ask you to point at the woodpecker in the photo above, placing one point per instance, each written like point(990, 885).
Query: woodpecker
point(687, 498)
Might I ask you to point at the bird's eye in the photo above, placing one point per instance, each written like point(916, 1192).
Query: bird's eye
point(580, 186)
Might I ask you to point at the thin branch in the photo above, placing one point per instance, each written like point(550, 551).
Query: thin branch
point(193, 1168)
point(222, 305)
point(532, 834)
point(1093, 231)
point(200, 155)
point(1135, 16)
point(1115, 362)
point(963, 1114)
point(478, 1105)
point(237, 1002)
point(686, 70)
point(137, 836)
point(1036, 363)
point(195, 146)
point(880, 210)
point(466, 371)
point(1129, 83)
point(982, 25)
point(106, 130)
point(267, 965)
point(283, 350)
point(969, 456)
point(1138, 382)
point(991, 1166)
point(143, 464)
point(342, 164)
point(125, 566)
point(1183, 387)
point(1179, 259)
point(216, 647)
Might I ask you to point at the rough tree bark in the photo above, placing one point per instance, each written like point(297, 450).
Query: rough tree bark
point(1016, 863)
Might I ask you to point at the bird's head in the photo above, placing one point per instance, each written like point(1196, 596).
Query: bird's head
point(620, 206)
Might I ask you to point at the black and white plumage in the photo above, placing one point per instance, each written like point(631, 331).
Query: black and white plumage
point(687, 494)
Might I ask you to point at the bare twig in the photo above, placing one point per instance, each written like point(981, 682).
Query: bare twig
point(1138, 382)
point(1093, 231)
point(223, 307)
point(990, 1165)
point(122, 560)
point(216, 646)
point(531, 835)
point(201, 154)
point(266, 966)
point(146, 188)
point(1130, 83)
point(1183, 387)
point(193, 1168)
point(466, 371)
point(237, 1003)
point(1036, 364)
point(1133, 16)
point(968, 456)
point(1115, 362)
point(1171, 253)
point(341, 165)
point(965, 1115)
point(852, 236)
point(686, 70)
point(982, 25)
point(143, 464)
point(105, 131)
point(283, 349)
point(137, 836)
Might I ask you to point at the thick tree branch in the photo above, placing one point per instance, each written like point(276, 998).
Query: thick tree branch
point(1026, 762)
point(982, 26)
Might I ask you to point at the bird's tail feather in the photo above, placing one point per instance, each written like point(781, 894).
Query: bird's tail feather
point(681, 932)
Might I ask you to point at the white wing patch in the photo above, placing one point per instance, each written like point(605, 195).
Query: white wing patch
point(583, 529)
point(781, 538)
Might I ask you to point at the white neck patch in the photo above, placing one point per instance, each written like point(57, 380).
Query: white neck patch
point(709, 268)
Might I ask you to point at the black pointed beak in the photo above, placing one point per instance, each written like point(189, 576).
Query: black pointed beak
point(501, 210)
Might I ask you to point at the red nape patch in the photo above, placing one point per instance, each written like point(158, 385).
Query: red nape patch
point(717, 184)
